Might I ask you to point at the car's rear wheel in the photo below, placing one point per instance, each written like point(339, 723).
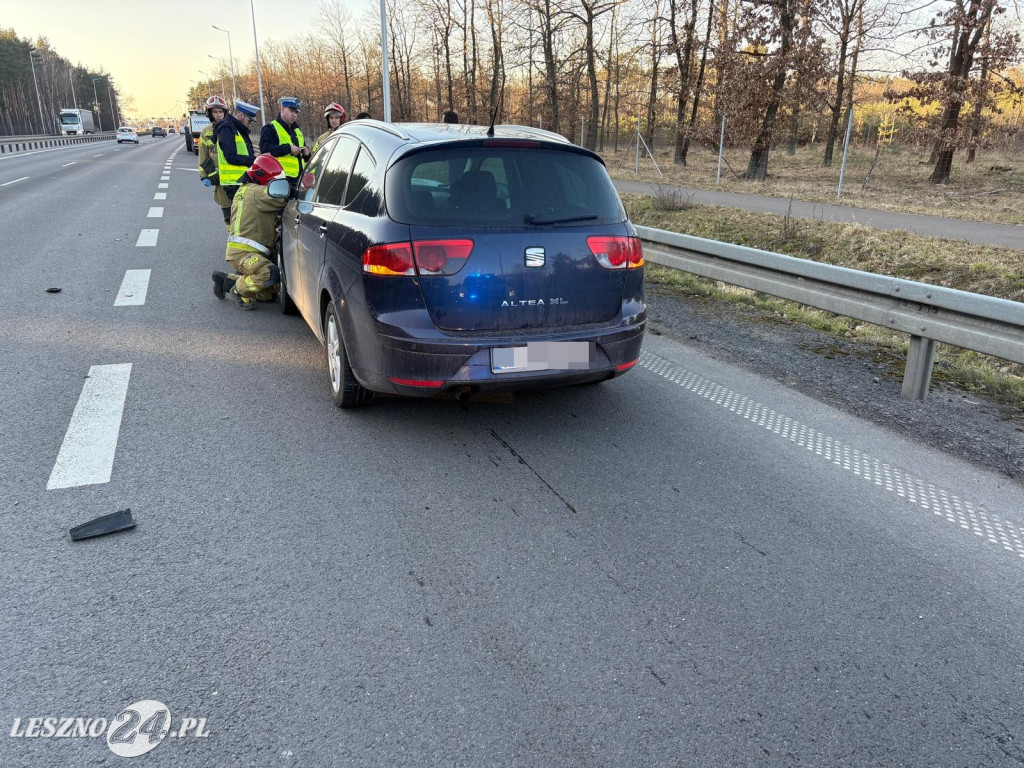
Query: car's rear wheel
point(346, 392)
point(284, 301)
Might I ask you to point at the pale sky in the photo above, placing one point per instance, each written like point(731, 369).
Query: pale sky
point(153, 49)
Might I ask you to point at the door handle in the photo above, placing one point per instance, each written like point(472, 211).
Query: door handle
point(323, 230)
point(296, 219)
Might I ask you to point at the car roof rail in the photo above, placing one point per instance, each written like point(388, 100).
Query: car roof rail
point(389, 127)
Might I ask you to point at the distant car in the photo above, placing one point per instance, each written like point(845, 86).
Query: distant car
point(127, 134)
point(431, 258)
point(171, 129)
point(158, 131)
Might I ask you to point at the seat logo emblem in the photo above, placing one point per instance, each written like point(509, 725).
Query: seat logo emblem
point(535, 257)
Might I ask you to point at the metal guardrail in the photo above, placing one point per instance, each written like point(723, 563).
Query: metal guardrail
point(11, 144)
point(928, 313)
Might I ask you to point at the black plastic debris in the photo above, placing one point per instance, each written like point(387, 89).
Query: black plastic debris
point(53, 290)
point(112, 523)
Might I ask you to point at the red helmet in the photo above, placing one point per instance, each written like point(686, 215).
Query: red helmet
point(334, 108)
point(215, 101)
point(265, 168)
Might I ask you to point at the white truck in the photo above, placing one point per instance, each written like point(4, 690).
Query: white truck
point(76, 122)
point(192, 128)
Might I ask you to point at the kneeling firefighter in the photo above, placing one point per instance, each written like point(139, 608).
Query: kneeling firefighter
point(253, 231)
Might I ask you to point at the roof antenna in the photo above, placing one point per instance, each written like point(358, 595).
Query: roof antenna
point(494, 115)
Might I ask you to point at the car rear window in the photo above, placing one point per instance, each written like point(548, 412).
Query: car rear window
point(500, 186)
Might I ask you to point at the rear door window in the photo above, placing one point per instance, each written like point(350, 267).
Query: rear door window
point(501, 187)
point(334, 178)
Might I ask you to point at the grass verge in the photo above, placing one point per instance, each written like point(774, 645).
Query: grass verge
point(976, 268)
point(989, 189)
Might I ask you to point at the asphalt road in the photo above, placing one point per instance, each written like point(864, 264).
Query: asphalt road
point(984, 233)
point(688, 566)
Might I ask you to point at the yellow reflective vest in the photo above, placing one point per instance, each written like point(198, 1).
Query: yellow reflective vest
point(289, 162)
point(229, 174)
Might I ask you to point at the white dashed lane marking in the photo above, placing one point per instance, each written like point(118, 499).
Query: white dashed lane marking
point(67, 164)
point(87, 455)
point(134, 288)
point(968, 516)
point(99, 155)
point(155, 213)
point(161, 186)
point(160, 196)
point(147, 237)
point(8, 183)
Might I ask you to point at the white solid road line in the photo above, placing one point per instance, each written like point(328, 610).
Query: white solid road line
point(7, 184)
point(134, 288)
point(87, 455)
point(147, 237)
point(155, 213)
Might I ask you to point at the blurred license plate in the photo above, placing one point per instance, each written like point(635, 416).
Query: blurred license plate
point(542, 356)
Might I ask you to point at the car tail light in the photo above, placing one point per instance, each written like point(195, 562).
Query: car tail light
point(626, 366)
point(431, 257)
point(441, 257)
point(617, 252)
point(389, 259)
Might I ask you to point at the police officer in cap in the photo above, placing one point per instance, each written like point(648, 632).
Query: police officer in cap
point(234, 147)
point(283, 139)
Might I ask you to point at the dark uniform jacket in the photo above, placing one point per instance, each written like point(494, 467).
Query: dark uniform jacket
point(269, 143)
point(226, 131)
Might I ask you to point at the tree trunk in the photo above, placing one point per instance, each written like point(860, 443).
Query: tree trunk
point(700, 82)
point(757, 167)
point(684, 55)
point(652, 98)
point(837, 105)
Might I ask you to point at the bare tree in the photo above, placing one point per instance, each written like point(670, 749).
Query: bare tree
point(778, 26)
point(682, 46)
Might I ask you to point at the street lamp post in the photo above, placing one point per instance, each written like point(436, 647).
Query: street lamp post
point(39, 101)
point(113, 106)
point(208, 78)
point(259, 69)
point(71, 80)
point(384, 59)
point(231, 60)
point(96, 100)
point(210, 55)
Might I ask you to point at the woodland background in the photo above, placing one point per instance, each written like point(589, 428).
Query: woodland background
point(943, 75)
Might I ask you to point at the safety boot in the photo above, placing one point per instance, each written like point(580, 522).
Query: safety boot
point(219, 280)
point(243, 303)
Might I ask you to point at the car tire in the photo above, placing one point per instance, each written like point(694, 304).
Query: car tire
point(346, 392)
point(284, 301)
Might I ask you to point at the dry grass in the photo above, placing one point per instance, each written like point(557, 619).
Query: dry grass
point(976, 268)
point(989, 189)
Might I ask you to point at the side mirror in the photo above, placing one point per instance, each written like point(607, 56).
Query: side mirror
point(280, 189)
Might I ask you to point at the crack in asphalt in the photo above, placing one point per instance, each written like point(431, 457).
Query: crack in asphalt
point(526, 464)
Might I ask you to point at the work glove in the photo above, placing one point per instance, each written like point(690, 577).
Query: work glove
point(207, 183)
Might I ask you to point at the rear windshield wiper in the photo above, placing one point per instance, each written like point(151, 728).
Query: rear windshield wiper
point(531, 219)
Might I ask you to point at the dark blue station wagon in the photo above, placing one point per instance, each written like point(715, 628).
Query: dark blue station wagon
point(431, 258)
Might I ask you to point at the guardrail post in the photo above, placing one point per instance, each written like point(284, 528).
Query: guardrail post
point(918, 376)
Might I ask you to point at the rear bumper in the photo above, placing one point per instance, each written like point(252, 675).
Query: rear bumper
point(464, 364)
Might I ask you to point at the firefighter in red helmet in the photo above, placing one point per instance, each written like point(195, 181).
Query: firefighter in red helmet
point(251, 238)
point(334, 114)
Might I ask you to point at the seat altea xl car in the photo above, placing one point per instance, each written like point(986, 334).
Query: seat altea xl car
point(431, 258)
